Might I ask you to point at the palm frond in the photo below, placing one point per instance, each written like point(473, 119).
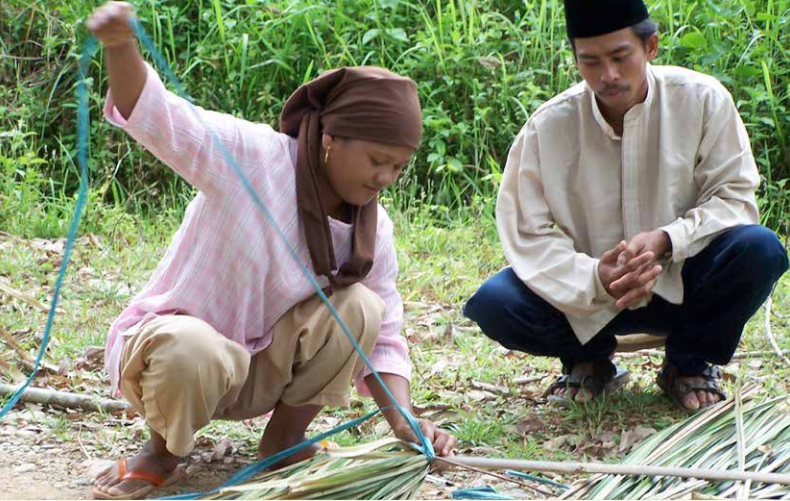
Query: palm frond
point(740, 434)
point(385, 469)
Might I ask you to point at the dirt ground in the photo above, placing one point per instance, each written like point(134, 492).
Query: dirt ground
point(40, 466)
point(38, 462)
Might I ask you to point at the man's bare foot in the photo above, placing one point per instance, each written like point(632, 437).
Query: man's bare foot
point(699, 399)
point(691, 393)
point(587, 381)
point(580, 395)
point(153, 459)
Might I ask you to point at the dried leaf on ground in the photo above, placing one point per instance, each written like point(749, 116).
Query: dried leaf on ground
point(91, 360)
point(529, 379)
point(490, 62)
point(630, 438)
point(421, 409)
point(491, 388)
point(529, 424)
point(414, 306)
point(482, 451)
point(442, 417)
point(220, 450)
point(447, 336)
point(438, 367)
point(480, 396)
point(561, 441)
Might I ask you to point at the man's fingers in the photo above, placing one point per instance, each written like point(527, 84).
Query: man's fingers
point(96, 20)
point(110, 21)
point(637, 278)
point(407, 435)
point(610, 256)
point(640, 260)
point(633, 249)
point(641, 288)
point(632, 268)
point(627, 280)
point(443, 442)
point(630, 298)
point(649, 276)
point(634, 295)
point(635, 262)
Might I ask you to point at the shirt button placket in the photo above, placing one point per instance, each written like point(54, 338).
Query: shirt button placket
point(630, 179)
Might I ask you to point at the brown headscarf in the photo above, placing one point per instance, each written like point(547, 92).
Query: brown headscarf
point(366, 103)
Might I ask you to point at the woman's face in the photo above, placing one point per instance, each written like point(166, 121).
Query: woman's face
point(358, 170)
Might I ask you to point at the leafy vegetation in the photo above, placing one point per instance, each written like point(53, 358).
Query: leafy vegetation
point(482, 67)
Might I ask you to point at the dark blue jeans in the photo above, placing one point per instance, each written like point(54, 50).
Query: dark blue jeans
point(724, 286)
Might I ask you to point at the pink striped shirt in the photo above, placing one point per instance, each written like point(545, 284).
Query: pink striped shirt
point(226, 264)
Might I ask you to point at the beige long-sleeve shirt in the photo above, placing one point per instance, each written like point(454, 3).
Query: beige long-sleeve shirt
point(572, 189)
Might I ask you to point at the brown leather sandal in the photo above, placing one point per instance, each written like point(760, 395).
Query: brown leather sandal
point(677, 391)
point(605, 378)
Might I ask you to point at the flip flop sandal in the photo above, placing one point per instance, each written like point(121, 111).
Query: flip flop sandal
point(605, 378)
point(154, 481)
point(677, 391)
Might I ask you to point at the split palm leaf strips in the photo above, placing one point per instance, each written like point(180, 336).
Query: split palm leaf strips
point(386, 469)
point(711, 440)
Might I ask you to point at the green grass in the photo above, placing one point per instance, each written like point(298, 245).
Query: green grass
point(441, 266)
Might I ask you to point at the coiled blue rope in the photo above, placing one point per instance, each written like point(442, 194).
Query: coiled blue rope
point(83, 131)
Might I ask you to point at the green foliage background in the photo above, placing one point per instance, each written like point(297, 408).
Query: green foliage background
point(482, 67)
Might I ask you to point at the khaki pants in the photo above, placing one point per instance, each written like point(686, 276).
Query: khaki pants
point(180, 373)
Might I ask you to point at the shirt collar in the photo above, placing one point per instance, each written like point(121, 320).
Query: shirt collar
point(633, 114)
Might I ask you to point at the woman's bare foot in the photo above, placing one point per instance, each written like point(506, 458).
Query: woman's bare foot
point(287, 428)
point(268, 447)
point(153, 459)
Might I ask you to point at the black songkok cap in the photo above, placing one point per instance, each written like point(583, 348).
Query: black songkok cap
point(591, 18)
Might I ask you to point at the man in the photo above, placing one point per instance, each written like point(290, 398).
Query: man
point(628, 205)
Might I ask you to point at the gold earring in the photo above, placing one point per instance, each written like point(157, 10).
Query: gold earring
point(326, 156)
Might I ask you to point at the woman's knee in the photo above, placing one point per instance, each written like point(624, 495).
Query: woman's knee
point(188, 348)
point(364, 310)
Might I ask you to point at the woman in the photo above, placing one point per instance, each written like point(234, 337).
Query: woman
point(228, 327)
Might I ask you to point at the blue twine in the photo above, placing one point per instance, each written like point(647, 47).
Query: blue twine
point(83, 131)
point(485, 492)
point(82, 160)
point(535, 478)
